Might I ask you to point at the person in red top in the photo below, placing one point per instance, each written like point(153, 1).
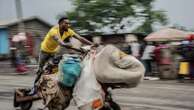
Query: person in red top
point(162, 54)
point(164, 62)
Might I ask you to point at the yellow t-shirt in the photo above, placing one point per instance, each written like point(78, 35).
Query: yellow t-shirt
point(52, 46)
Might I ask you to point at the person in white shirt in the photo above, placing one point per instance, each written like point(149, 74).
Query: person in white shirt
point(147, 58)
point(135, 47)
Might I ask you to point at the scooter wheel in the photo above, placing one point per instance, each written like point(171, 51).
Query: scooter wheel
point(111, 106)
point(114, 106)
point(26, 105)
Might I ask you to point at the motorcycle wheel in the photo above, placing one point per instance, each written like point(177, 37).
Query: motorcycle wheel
point(26, 105)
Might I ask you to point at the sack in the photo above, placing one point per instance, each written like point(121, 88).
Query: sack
point(121, 59)
point(111, 65)
point(87, 89)
point(69, 70)
point(54, 96)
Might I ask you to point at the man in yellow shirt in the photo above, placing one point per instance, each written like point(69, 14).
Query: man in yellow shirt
point(55, 38)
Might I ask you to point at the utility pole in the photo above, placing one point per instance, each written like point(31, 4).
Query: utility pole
point(19, 14)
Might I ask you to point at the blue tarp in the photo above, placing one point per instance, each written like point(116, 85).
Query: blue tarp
point(4, 42)
point(70, 70)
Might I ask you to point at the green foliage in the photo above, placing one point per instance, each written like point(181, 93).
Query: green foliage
point(93, 15)
point(153, 17)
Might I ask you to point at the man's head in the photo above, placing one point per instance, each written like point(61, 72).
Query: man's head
point(63, 23)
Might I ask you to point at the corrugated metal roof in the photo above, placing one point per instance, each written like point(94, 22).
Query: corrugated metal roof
point(6, 23)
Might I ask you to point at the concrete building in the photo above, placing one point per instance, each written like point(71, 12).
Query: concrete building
point(34, 27)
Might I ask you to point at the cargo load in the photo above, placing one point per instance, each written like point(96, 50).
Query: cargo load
point(111, 65)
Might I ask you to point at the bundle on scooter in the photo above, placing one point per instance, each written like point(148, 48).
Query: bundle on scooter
point(69, 69)
point(55, 96)
point(109, 66)
point(113, 66)
point(87, 92)
point(56, 89)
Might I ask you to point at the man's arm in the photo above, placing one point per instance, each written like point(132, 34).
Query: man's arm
point(67, 45)
point(82, 39)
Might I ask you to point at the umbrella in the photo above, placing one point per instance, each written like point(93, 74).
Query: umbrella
point(19, 37)
point(167, 34)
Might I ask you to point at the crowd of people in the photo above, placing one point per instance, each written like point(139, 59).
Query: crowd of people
point(168, 60)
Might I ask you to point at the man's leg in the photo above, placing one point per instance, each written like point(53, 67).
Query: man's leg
point(43, 58)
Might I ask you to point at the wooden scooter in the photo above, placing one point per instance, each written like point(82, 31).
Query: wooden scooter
point(23, 100)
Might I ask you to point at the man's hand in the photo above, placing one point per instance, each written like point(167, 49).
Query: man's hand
point(66, 44)
point(95, 45)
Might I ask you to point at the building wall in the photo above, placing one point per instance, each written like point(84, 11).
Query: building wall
point(35, 29)
point(4, 42)
point(121, 41)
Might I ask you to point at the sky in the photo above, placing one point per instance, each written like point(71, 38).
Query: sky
point(178, 11)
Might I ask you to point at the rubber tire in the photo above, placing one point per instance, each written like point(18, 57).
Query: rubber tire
point(114, 106)
point(26, 105)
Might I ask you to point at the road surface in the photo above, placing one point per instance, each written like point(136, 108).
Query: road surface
point(149, 95)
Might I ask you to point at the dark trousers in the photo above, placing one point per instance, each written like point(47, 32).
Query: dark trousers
point(148, 67)
point(43, 59)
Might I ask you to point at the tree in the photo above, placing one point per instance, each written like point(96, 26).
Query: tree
point(95, 16)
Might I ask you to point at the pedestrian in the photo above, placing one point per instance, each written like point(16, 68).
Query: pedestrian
point(163, 57)
point(135, 47)
point(147, 58)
